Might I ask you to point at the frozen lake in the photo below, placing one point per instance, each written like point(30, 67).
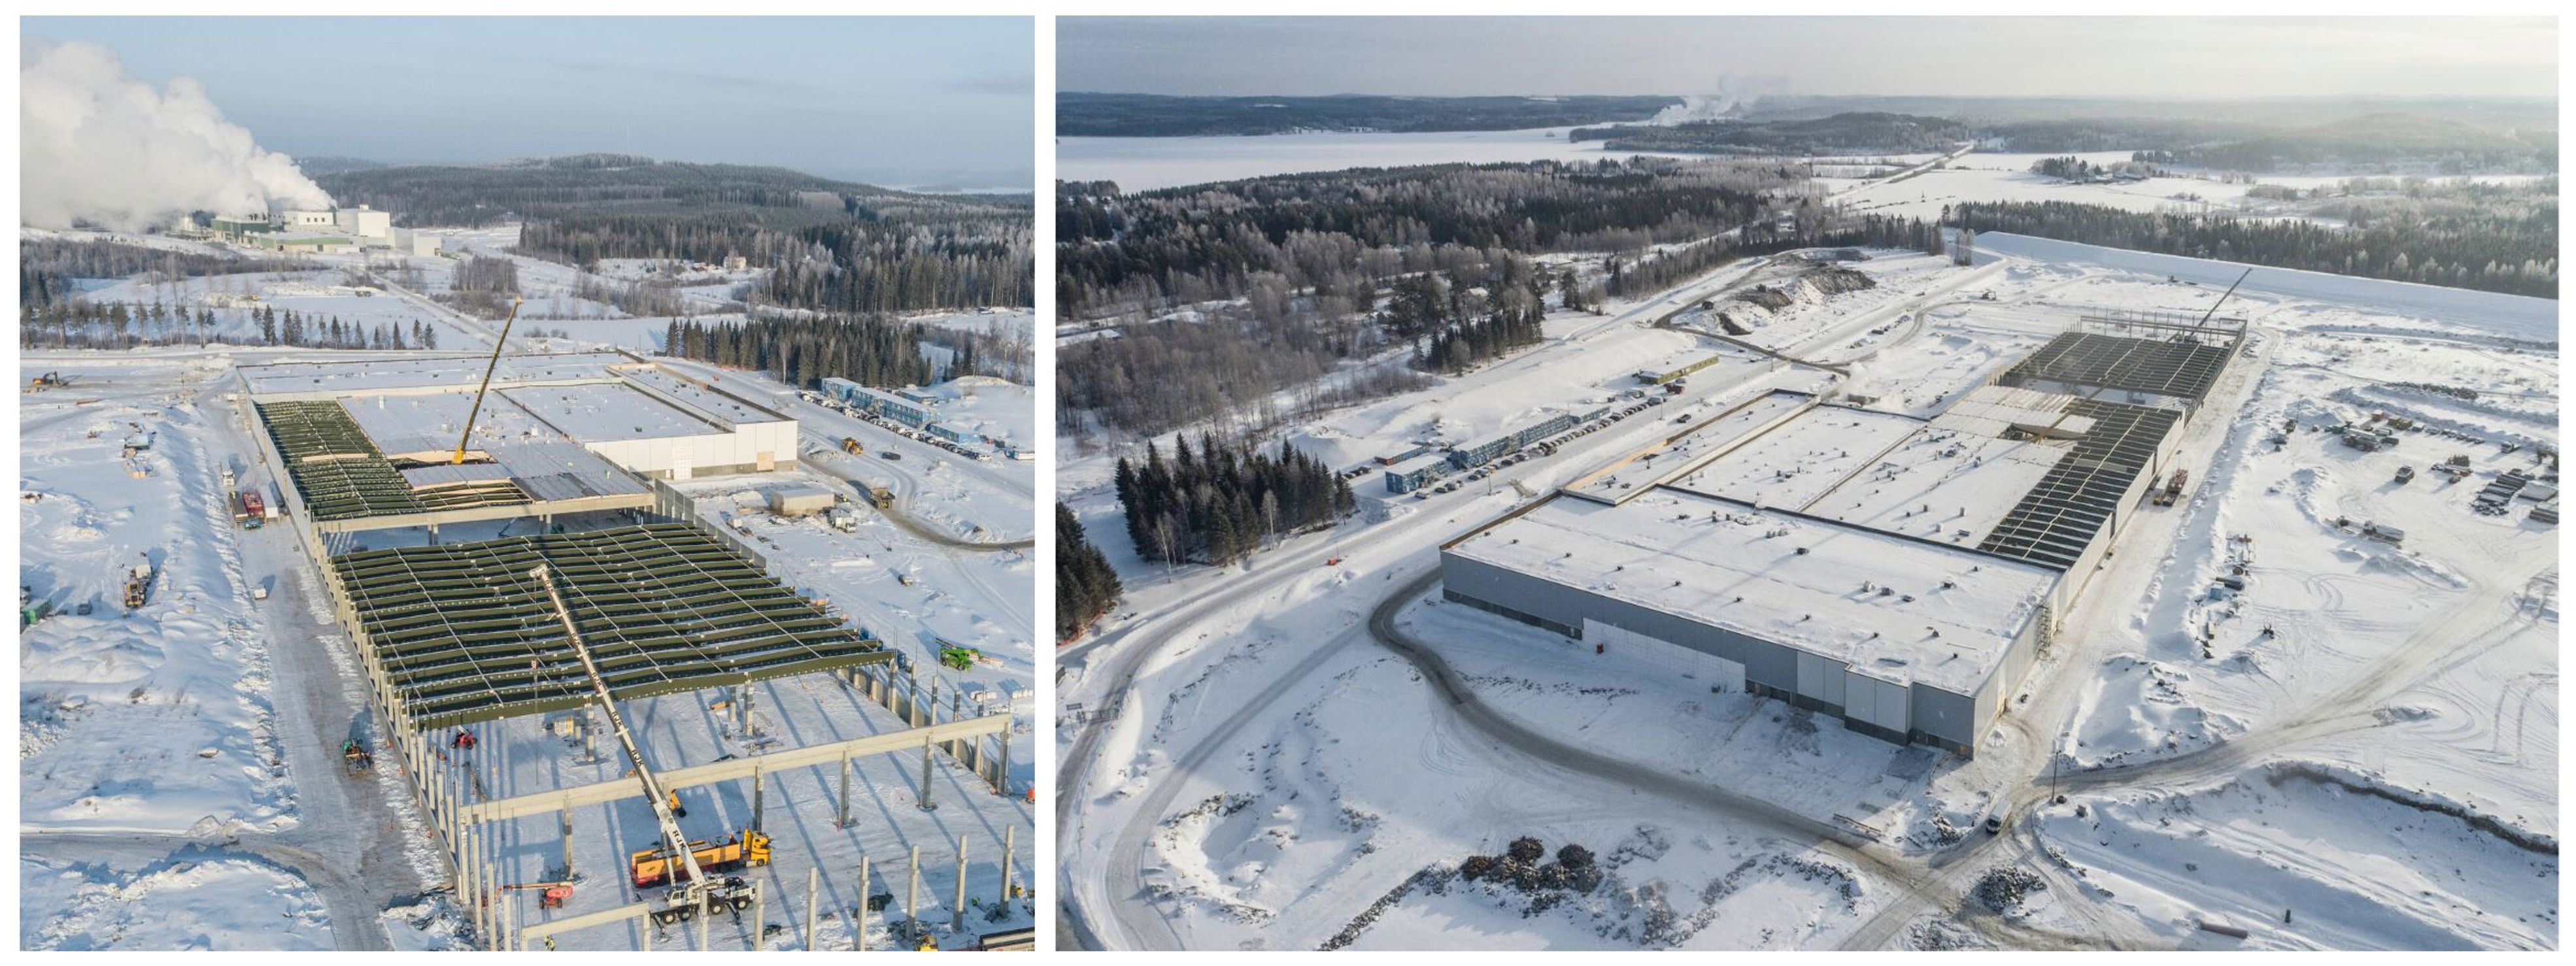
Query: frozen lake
point(1140, 164)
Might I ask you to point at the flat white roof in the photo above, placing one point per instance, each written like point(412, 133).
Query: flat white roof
point(608, 412)
point(1411, 464)
point(1802, 458)
point(722, 405)
point(1696, 444)
point(1730, 566)
point(460, 373)
point(1942, 485)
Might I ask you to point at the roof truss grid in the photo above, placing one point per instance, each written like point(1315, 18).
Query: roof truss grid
point(465, 633)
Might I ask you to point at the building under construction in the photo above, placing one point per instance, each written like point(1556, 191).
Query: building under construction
point(1900, 573)
point(533, 687)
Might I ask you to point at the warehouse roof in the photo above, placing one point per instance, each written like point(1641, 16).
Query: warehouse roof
point(465, 633)
point(1688, 449)
point(1799, 460)
point(607, 412)
point(1946, 618)
point(451, 373)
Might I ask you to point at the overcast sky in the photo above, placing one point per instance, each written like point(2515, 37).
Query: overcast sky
point(907, 102)
point(2148, 57)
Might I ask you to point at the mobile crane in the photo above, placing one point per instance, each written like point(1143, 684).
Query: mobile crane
point(692, 894)
point(468, 435)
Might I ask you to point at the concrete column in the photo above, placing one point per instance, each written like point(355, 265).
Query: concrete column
point(565, 816)
point(705, 922)
point(912, 892)
point(1002, 770)
point(926, 804)
point(759, 796)
point(813, 888)
point(759, 907)
point(957, 909)
point(859, 919)
point(1010, 842)
point(844, 820)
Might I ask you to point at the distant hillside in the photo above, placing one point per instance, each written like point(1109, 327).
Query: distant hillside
point(2384, 143)
point(889, 251)
point(443, 195)
point(1156, 115)
point(1868, 132)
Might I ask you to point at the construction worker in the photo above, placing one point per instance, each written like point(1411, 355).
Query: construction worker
point(464, 740)
point(676, 810)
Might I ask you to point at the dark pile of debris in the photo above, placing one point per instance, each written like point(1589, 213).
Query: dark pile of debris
point(1525, 867)
point(2004, 887)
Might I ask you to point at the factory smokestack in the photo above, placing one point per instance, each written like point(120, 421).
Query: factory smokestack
point(98, 147)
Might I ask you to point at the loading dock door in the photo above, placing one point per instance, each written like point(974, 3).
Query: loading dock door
point(1685, 662)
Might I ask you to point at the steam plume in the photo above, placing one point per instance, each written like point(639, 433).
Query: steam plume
point(98, 147)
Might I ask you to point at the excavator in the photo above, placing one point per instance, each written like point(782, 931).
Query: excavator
point(678, 857)
point(468, 435)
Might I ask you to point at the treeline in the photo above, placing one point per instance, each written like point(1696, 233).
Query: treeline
point(1086, 587)
point(1123, 252)
point(803, 350)
point(1855, 132)
point(1455, 328)
point(983, 354)
point(1218, 503)
point(48, 267)
point(83, 324)
point(483, 287)
point(2378, 141)
point(2511, 251)
point(1281, 277)
point(831, 246)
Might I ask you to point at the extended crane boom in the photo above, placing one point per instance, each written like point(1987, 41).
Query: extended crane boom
point(691, 895)
point(468, 435)
point(2222, 297)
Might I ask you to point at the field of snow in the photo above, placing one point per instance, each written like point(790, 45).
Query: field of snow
point(194, 900)
point(1228, 775)
point(158, 720)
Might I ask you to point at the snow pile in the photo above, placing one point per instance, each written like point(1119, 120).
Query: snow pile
point(195, 900)
point(100, 147)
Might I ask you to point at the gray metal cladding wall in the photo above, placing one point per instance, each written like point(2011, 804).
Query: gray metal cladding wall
point(1764, 662)
point(1947, 716)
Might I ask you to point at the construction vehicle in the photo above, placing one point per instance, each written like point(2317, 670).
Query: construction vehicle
point(880, 497)
point(138, 584)
point(652, 867)
point(553, 896)
point(497, 344)
point(678, 856)
point(2173, 488)
point(250, 510)
point(961, 658)
point(850, 445)
point(50, 380)
point(355, 755)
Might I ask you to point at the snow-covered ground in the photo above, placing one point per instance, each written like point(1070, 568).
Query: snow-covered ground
point(1991, 177)
point(1270, 777)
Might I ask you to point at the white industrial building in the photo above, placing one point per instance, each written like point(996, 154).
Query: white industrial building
point(622, 408)
point(1900, 573)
